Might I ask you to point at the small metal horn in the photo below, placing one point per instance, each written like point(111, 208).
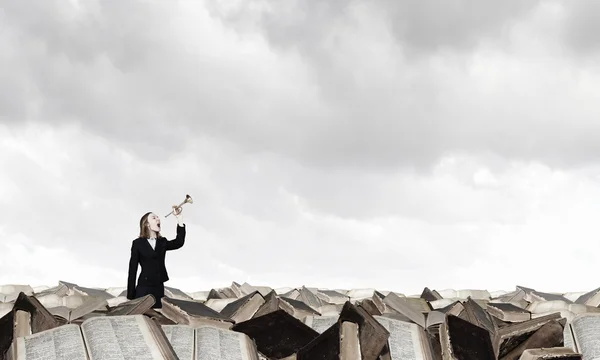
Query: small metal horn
point(188, 199)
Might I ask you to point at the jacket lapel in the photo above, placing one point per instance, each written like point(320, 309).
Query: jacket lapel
point(146, 248)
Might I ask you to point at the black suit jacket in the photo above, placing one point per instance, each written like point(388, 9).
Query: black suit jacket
point(152, 261)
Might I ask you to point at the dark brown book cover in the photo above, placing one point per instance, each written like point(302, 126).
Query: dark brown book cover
point(324, 347)
point(232, 307)
point(372, 335)
point(480, 317)
point(370, 307)
point(429, 295)
point(434, 344)
point(271, 304)
point(385, 352)
point(379, 295)
point(41, 318)
point(214, 294)
point(7, 323)
point(277, 334)
point(548, 336)
point(297, 304)
point(469, 341)
point(513, 335)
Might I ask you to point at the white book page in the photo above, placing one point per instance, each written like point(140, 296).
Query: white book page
point(219, 344)
point(64, 342)
point(568, 337)
point(119, 338)
point(404, 339)
point(320, 323)
point(586, 331)
point(181, 338)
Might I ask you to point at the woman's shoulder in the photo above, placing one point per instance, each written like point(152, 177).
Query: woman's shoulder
point(137, 240)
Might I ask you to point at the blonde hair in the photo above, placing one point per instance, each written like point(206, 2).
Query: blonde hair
point(144, 228)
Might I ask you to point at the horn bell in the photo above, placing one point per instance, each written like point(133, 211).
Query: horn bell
point(188, 200)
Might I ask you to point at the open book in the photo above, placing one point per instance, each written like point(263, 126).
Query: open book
point(582, 335)
point(89, 305)
point(99, 338)
point(406, 340)
point(209, 343)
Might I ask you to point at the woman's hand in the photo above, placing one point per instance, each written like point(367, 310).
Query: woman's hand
point(177, 212)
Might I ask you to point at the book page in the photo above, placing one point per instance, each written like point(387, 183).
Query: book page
point(549, 353)
point(64, 342)
point(435, 318)
point(21, 324)
point(349, 342)
point(89, 305)
point(119, 338)
point(219, 344)
point(247, 310)
point(320, 323)
point(404, 339)
point(5, 308)
point(568, 337)
point(181, 338)
point(586, 331)
point(402, 305)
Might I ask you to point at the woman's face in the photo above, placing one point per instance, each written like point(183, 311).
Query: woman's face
point(154, 222)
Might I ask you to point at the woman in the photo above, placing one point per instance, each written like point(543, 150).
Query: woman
point(149, 250)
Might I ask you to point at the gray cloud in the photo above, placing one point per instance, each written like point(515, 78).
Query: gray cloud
point(429, 26)
point(413, 109)
point(419, 26)
point(155, 80)
point(581, 30)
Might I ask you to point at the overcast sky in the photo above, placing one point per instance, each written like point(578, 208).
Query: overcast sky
point(387, 144)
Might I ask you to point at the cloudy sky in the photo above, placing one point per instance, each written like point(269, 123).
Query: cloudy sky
point(343, 144)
